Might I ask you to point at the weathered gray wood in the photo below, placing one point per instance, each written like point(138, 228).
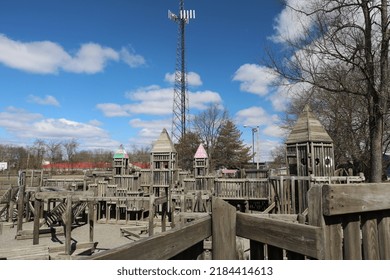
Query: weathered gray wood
point(76, 196)
point(384, 236)
point(68, 225)
point(370, 237)
point(151, 214)
point(161, 246)
point(315, 217)
point(302, 239)
point(22, 187)
point(224, 230)
point(37, 206)
point(352, 240)
point(91, 220)
point(355, 198)
point(334, 238)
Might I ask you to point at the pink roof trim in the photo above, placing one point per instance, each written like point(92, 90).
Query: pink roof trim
point(201, 152)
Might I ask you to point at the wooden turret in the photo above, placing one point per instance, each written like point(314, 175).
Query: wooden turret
point(121, 162)
point(163, 162)
point(309, 147)
point(201, 162)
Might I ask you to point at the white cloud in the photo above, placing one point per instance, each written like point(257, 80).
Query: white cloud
point(193, 79)
point(257, 116)
point(131, 58)
point(91, 58)
point(200, 99)
point(45, 57)
point(114, 110)
point(292, 25)
point(154, 100)
point(25, 126)
point(255, 78)
point(47, 100)
point(150, 130)
point(37, 57)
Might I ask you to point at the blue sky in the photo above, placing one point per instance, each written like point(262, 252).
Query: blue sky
point(100, 71)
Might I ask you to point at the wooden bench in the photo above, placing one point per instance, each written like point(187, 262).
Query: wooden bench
point(133, 232)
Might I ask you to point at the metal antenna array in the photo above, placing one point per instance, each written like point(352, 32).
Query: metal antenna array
point(180, 98)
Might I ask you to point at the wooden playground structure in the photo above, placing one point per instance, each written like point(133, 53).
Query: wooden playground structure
point(170, 214)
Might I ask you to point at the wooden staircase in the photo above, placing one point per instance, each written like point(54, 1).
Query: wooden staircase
point(56, 214)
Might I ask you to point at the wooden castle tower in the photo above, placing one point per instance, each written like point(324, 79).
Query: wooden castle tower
point(121, 162)
point(201, 168)
point(309, 147)
point(164, 170)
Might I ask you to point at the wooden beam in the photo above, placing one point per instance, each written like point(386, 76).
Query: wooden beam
point(355, 198)
point(161, 246)
point(302, 239)
point(62, 195)
point(224, 230)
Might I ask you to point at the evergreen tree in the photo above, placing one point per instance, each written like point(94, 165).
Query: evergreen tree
point(186, 149)
point(230, 152)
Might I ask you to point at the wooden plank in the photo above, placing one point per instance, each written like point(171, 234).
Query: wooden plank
point(370, 237)
point(334, 237)
point(161, 246)
point(355, 198)
point(68, 225)
point(384, 236)
point(224, 230)
point(352, 240)
point(62, 195)
point(37, 206)
point(303, 239)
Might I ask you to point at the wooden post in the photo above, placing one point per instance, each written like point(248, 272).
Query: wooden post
point(37, 206)
point(68, 225)
point(151, 215)
point(384, 236)
point(91, 219)
point(331, 229)
point(22, 187)
point(224, 230)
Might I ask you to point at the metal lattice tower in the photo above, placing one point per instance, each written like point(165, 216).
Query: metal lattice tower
point(180, 96)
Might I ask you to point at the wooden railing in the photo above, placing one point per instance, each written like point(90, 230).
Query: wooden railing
point(242, 189)
point(350, 221)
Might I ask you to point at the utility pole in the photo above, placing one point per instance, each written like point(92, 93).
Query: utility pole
point(180, 97)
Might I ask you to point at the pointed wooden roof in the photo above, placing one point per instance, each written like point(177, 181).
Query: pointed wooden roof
point(121, 153)
point(201, 152)
point(164, 144)
point(308, 129)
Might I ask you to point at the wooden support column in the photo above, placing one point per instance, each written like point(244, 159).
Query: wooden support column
point(151, 215)
point(37, 208)
point(91, 219)
point(68, 225)
point(22, 187)
point(224, 230)
point(384, 236)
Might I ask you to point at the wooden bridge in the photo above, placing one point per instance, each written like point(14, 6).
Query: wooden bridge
point(343, 222)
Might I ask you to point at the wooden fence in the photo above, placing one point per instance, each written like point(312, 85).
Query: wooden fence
point(350, 221)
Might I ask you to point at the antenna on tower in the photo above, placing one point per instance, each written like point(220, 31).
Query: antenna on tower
point(180, 96)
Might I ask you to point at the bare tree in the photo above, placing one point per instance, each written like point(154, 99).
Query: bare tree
point(207, 125)
point(345, 51)
point(54, 151)
point(70, 147)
